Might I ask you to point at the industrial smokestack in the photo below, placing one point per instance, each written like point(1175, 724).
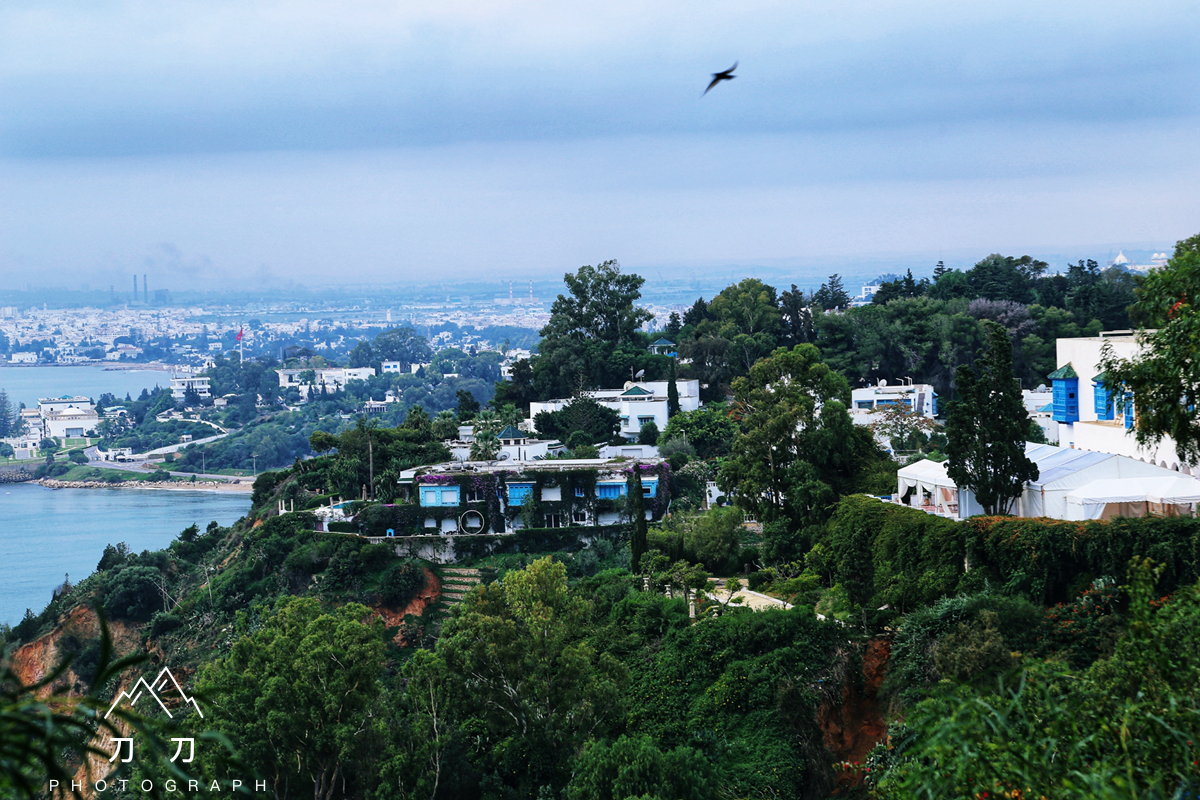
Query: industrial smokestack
point(135, 288)
point(145, 289)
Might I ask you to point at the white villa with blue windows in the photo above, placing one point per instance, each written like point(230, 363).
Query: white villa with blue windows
point(491, 497)
point(1089, 417)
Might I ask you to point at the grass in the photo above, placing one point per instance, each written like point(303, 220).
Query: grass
point(83, 472)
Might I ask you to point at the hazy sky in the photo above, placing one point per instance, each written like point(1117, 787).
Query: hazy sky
point(247, 142)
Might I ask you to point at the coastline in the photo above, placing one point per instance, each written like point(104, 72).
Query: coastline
point(225, 487)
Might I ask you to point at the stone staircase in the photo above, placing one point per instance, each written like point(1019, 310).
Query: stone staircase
point(456, 582)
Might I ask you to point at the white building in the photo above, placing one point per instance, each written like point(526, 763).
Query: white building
point(332, 379)
point(1087, 417)
point(515, 445)
point(391, 367)
point(196, 383)
point(636, 404)
point(23, 358)
point(1039, 404)
point(866, 296)
point(69, 423)
point(514, 485)
point(919, 398)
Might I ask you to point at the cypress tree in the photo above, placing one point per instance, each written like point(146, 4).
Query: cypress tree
point(987, 426)
point(637, 510)
point(6, 415)
point(672, 393)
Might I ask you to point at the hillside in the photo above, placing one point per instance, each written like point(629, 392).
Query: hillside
point(525, 672)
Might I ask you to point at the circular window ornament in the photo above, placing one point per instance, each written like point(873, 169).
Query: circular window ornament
point(472, 522)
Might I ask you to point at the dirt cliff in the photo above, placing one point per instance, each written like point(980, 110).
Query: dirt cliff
point(854, 726)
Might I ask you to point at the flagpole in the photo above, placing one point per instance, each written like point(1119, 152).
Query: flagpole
point(241, 351)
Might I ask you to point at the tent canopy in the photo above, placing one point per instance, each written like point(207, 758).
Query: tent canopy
point(1173, 491)
point(925, 475)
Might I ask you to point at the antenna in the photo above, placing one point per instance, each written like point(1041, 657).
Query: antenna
point(882, 382)
point(640, 373)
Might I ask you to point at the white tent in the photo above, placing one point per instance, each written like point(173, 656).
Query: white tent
point(1106, 498)
point(1071, 484)
point(929, 479)
point(1062, 470)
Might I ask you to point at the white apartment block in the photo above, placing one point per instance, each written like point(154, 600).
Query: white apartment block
point(333, 379)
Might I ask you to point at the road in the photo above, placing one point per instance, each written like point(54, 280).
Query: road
point(94, 460)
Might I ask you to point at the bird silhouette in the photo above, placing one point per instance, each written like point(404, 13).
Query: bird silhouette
point(727, 75)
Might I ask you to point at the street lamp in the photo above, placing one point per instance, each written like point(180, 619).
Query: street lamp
point(254, 462)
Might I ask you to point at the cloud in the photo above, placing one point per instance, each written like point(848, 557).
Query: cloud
point(143, 78)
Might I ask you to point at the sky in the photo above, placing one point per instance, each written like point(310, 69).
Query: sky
point(243, 143)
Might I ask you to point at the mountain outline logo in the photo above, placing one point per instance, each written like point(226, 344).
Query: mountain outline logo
point(164, 681)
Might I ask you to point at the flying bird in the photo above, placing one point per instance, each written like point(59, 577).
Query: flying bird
point(727, 75)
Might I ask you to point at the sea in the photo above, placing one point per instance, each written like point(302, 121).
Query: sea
point(47, 534)
point(25, 384)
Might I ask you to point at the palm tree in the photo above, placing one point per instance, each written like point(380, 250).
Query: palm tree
point(445, 425)
point(369, 426)
point(486, 445)
point(511, 415)
point(488, 421)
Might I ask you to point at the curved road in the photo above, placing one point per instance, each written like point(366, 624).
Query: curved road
point(94, 460)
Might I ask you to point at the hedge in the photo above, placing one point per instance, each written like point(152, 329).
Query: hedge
point(888, 553)
point(1053, 560)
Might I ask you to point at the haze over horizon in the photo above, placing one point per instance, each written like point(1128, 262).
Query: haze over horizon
point(241, 144)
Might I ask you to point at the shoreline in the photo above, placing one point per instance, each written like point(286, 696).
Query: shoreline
point(223, 487)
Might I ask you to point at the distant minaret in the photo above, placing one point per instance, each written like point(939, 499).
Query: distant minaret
point(510, 294)
point(531, 292)
point(389, 316)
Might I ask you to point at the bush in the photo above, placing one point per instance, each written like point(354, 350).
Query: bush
point(77, 457)
point(163, 622)
point(885, 553)
point(401, 583)
point(648, 433)
point(133, 593)
point(713, 538)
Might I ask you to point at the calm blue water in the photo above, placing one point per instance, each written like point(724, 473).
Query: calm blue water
point(27, 384)
point(45, 533)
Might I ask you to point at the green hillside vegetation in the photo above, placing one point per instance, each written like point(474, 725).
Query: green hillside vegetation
point(920, 657)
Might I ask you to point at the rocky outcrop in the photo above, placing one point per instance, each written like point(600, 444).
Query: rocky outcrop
point(34, 660)
point(428, 596)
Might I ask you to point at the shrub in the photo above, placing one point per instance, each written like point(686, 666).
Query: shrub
point(133, 593)
point(163, 622)
point(401, 583)
point(1052, 560)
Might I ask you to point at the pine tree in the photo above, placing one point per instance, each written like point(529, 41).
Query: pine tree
point(637, 510)
point(940, 270)
point(986, 428)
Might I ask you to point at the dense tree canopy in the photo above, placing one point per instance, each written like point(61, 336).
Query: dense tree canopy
point(592, 340)
point(796, 449)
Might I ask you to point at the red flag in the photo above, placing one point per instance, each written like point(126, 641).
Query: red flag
point(239, 336)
